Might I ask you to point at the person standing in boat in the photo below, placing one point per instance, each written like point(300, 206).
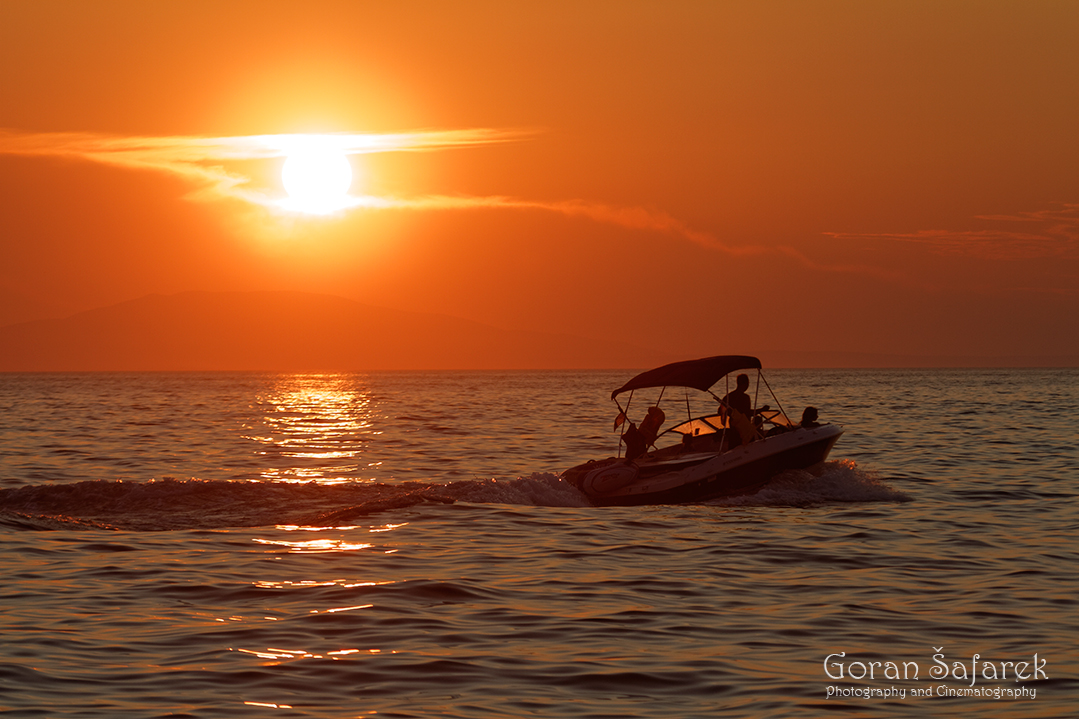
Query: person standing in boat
point(738, 402)
point(738, 399)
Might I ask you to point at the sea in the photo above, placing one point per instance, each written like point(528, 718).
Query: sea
point(401, 544)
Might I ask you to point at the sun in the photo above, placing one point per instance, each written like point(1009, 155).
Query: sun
point(317, 177)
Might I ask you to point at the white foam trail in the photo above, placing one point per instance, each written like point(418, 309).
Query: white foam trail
point(838, 481)
point(540, 489)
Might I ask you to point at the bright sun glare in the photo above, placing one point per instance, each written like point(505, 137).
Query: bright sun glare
point(316, 176)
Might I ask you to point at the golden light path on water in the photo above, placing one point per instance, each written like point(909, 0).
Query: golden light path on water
point(273, 656)
point(313, 424)
point(318, 546)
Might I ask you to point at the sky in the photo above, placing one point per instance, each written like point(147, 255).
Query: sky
point(711, 177)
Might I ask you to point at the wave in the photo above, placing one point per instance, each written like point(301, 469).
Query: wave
point(837, 481)
point(172, 504)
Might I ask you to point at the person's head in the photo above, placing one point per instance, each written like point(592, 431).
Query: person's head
point(809, 414)
point(743, 382)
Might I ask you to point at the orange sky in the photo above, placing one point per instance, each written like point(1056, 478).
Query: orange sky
point(894, 177)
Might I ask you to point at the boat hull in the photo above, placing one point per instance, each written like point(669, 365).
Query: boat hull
point(742, 470)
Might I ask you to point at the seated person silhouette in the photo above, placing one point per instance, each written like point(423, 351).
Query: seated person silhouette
point(650, 425)
point(809, 418)
point(635, 442)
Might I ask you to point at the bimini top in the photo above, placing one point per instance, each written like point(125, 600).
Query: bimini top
point(699, 374)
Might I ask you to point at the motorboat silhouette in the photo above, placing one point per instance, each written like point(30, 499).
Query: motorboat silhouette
point(735, 450)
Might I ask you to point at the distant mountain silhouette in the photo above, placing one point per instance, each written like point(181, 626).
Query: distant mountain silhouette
point(288, 331)
point(300, 332)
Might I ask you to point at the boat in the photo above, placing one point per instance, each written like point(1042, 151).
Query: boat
point(732, 449)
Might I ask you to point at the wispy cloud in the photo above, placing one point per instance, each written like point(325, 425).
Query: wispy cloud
point(637, 218)
point(1048, 233)
point(202, 160)
point(205, 163)
point(178, 149)
point(633, 218)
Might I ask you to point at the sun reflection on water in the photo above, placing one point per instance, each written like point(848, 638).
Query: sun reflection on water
point(331, 603)
point(276, 656)
point(318, 546)
point(314, 428)
point(305, 584)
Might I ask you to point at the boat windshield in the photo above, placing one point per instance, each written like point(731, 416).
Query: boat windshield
point(701, 425)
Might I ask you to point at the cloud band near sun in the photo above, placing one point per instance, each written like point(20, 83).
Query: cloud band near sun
point(199, 159)
point(1048, 233)
point(203, 162)
point(179, 149)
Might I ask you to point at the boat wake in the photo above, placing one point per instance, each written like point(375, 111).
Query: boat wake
point(173, 504)
point(837, 481)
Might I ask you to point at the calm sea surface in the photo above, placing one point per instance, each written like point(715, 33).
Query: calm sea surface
point(401, 545)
